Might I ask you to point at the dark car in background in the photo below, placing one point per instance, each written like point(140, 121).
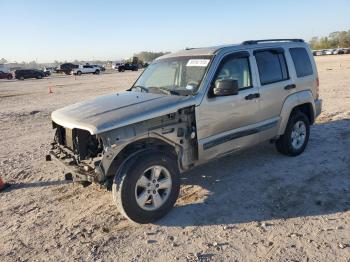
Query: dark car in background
point(29, 73)
point(127, 66)
point(66, 68)
point(4, 75)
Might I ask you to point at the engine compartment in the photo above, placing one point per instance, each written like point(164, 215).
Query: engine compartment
point(84, 145)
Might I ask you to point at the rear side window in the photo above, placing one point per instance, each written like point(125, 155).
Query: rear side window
point(301, 61)
point(272, 66)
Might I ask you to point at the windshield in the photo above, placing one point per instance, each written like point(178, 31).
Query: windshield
point(175, 76)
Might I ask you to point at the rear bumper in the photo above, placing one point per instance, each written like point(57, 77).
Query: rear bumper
point(318, 107)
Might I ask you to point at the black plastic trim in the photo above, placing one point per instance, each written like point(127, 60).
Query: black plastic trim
point(254, 42)
point(239, 134)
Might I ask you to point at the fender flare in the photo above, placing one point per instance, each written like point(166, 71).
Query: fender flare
point(292, 101)
point(109, 162)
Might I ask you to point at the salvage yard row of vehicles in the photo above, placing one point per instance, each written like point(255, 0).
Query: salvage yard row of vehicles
point(337, 51)
point(69, 68)
point(23, 74)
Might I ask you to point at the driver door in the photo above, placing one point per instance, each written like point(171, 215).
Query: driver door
point(226, 123)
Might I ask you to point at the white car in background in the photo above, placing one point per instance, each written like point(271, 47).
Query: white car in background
point(86, 69)
point(116, 65)
point(329, 51)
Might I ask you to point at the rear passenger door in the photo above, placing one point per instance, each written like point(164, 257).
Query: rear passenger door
point(275, 83)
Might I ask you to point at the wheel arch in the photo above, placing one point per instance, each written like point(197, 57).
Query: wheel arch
point(302, 101)
point(124, 153)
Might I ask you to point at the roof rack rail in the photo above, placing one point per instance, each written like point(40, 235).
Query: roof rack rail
point(254, 42)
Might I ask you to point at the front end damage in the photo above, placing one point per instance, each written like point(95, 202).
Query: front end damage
point(96, 158)
point(79, 152)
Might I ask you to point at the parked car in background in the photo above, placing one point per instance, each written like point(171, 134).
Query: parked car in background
point(329, 52)
point(116, 65)
point(127, 66)
point(102, 68)
point(48, 70)
point(318, 52)
point(5, 75)
point(86, 69)
point(66, 68)
point(339, 51)
point(29, 73)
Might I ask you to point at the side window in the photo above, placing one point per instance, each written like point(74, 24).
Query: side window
point(235, 68)
point(272, 66)
point(301, 61)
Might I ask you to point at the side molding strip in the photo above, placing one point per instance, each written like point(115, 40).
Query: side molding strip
point(240, 134)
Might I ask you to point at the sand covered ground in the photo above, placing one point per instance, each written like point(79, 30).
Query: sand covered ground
point(255, 205)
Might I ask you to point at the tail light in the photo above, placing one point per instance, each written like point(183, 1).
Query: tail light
point(317, 87)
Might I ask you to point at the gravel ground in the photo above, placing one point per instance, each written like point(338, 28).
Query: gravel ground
point(255, 205)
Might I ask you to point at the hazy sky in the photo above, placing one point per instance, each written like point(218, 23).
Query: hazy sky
point(67, 30)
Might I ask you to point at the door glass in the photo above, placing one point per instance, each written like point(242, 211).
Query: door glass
point(235, 68)
point(272, 67)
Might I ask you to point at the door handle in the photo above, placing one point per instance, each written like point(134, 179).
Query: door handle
point(289, 87)
point(252, 96)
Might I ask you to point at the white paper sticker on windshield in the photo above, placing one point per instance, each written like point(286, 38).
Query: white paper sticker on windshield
point(198, 62)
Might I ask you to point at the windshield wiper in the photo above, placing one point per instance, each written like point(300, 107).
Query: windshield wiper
point(141, 87)
point(169, 92)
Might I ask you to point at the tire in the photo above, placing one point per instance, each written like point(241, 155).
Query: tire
point(21, 78)
point(9, 77)
point(296, 136)
point(39, 77)
point(127, 186)
point(97, 72)
point(79, 73)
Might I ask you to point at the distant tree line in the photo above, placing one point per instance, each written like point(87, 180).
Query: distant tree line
point(339, 39)
point(147, 57)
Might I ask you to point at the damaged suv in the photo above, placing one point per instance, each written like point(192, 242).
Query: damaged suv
point(185, 109)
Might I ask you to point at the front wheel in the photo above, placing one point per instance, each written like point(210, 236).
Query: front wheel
point(147, 186)
point(296, 136)
point(79, 73)
point(97, 72)
point(9, 77)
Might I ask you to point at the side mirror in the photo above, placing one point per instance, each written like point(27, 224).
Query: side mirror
point(226, 87)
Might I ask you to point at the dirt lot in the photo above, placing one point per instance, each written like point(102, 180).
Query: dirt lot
point(256, 205)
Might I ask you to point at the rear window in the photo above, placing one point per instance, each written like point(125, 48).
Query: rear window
point(272, 66)
point(301, 61)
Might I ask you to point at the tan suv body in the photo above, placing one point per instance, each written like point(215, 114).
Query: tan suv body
point(185, 109)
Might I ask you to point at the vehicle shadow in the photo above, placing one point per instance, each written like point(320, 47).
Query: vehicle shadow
point(15, 186)
point(259, 184)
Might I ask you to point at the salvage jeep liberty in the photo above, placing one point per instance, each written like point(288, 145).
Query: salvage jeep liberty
point(185, 109)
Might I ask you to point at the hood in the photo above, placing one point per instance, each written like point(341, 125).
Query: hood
point(115, 110)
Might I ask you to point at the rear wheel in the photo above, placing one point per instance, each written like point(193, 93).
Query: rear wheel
point(147, 186)
point(39, 77)
point(79, 73)
point(21, 78)
point(296, 136)
point(9, 77)
point(97, 72)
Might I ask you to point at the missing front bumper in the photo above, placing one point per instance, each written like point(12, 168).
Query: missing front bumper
point(78, 172)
